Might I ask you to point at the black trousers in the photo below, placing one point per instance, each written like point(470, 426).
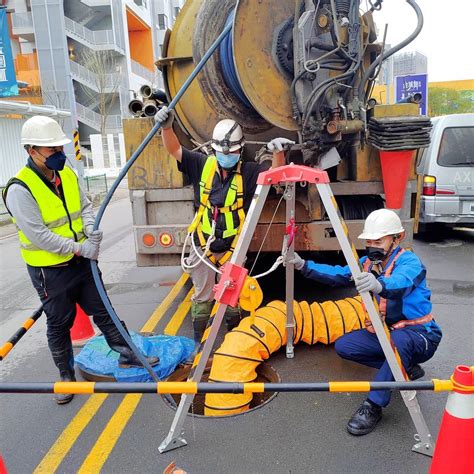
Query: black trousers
point(59, 289)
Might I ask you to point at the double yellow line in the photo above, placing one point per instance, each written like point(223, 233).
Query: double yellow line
point(114, 428)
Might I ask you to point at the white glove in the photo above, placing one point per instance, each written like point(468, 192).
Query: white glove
point(96, 236)
point(297, 261)
point(277, 144)
point(367, 282)
point(165, 117)
point(88, 229)
point(89, 250)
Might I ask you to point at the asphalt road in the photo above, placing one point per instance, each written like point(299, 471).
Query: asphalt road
point(294, 433)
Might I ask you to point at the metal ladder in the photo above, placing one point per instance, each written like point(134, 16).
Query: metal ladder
point(234, 275)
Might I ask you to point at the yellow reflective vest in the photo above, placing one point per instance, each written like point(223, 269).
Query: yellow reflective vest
point(233, 209)
point(61, 217)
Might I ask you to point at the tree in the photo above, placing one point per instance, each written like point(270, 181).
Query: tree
point(105, 81)
point(444, 101)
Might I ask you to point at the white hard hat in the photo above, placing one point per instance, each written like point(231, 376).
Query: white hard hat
point(380, 223)
point(227, 136)
point(43, 131)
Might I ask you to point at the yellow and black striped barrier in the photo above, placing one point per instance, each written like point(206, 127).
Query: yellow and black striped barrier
point(89, 388)
point(77, 146)
point(10, 344)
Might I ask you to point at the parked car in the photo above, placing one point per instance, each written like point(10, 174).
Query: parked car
point(447, 170)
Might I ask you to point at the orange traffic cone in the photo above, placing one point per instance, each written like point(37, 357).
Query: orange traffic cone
point(82, 329)
point(3, 469)
point(454, 448)
point(395, 171)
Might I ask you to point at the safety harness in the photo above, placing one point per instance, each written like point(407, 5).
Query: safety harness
point(205, 220)
point(383, 301)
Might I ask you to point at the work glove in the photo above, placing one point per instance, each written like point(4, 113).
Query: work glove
point(297, 261)
point(165, 117)
point(89, 250)
point(367, 282)
point(88, 229)
point(95, 236)
point(278, 144)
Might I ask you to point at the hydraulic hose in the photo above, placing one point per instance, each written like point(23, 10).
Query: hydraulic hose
point(95, 270)
point(393, 50)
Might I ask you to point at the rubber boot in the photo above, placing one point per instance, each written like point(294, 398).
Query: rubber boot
point(200, 313)
point(127, 357)
point(232, 317)
point(64, 360)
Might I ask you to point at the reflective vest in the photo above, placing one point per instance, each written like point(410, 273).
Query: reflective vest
point(382, 306)
point(62, 218)
point(233, 210)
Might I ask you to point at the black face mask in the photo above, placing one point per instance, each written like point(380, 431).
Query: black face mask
point(377, 254)
point(56, 161)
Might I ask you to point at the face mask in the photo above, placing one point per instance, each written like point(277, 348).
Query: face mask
point(227, 161)
point(377, 254)
point(56, 161)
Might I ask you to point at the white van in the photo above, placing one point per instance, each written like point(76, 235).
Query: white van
point(447, 170)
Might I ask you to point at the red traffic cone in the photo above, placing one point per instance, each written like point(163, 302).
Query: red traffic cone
point(453, 452)
point(82, 329)
point(3, 469)
point(395, 171)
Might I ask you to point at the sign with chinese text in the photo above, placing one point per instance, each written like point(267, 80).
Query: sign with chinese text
point(8, 84)
point(412, 84)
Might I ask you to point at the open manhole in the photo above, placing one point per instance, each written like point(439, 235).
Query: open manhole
point(265, 374)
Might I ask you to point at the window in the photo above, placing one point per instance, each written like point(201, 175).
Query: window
point(162, 21)
point(457, 147)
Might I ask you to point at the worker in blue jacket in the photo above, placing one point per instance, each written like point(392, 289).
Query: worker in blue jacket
point(397, 279)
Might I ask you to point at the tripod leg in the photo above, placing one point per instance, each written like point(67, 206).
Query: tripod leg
point(290, 274)
point(175, 438)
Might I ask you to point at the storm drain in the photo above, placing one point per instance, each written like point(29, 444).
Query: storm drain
point(265, 374)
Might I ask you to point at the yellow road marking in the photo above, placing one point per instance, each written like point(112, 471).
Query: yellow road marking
point(99, 454)
point(56, 454)
point(177, 320)
point(165, 304)
point(106, 442)
point(68, 437)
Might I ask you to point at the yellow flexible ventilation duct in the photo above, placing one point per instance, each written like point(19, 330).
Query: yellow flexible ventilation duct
point(248, 345)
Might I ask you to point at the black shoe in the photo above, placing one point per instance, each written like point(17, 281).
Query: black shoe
point(135, 362)
point(365, 419)
point(63, 398)
point(415, 372)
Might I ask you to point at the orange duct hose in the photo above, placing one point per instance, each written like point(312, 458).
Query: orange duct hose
point(248, 345)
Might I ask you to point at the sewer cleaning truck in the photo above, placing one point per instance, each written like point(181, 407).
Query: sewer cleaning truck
point(300, 69)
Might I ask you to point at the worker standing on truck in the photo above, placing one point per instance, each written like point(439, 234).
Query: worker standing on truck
point(397, 279)
point(55, 224)
point(224, 186)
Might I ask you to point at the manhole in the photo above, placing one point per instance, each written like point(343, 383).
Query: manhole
point(265, 374)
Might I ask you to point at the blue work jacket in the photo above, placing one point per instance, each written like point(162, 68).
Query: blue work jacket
point(405, 290)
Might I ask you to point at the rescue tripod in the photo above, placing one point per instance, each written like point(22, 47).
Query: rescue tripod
point(233, 282)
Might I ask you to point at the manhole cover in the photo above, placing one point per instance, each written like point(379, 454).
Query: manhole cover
point(265, 374)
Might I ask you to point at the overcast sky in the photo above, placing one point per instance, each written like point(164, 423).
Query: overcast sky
point(446, 37)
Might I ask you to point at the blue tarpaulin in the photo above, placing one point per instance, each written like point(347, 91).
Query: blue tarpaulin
point(8, 84)
point(96, 357)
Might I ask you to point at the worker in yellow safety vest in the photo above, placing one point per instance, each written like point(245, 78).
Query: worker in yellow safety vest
point(55, 224)
point(224, 186)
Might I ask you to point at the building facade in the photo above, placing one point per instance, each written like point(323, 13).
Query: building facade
point(89, 56)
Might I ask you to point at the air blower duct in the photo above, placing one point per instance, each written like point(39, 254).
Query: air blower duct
point(248, 345)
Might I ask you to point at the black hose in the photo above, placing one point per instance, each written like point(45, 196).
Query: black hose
point(393, 50)
point(95, 270)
